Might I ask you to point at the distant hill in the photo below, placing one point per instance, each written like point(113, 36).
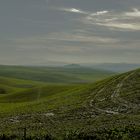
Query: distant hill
point(72, 66)
point(69, 74)
point(115, 67)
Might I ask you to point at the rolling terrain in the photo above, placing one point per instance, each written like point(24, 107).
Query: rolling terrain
point(115, 67)
point(106, 109)
point(54, 74)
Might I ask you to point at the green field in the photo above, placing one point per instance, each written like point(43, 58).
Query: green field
point(104, 109)
point(54, 74)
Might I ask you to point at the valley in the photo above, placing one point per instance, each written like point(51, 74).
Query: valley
point(71, 110)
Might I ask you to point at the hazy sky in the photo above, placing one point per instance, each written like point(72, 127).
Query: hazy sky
point(69, 31)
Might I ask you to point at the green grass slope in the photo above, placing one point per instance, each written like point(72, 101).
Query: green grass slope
point(38, 93)
point(18, 83)
point(11, 86)
point(54, 74)
point(105, 109)
point(121, 94)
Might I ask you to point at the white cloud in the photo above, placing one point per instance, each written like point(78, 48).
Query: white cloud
point(80, 38)
point(73, 10)
point(63, 36)
point(127, 26)
point(135, 13)
point(127, 20)
point(99, 13)
point(117, 20)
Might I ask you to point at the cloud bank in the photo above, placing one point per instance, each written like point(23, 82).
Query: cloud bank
point(68, 31)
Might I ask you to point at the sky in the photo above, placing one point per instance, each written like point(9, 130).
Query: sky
point(45, 32)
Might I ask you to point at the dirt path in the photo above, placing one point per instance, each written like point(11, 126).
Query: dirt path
point(115, 97)
point(106, 111)
point(116, 94)
point(119, 86)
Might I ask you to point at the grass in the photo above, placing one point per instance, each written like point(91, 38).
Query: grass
point(54, 74)
point(61, 110)
point(43, 98)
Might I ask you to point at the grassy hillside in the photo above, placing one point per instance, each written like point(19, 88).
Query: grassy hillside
point(54, 74)
point(18, 83)
point(108, 109)
point(12, 85)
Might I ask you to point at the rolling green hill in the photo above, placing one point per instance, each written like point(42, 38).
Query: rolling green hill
point(108, 109)
point(18, 83)
point(11, 85)
point(54, 74)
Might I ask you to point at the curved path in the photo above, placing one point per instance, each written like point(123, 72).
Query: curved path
point(115, 97)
